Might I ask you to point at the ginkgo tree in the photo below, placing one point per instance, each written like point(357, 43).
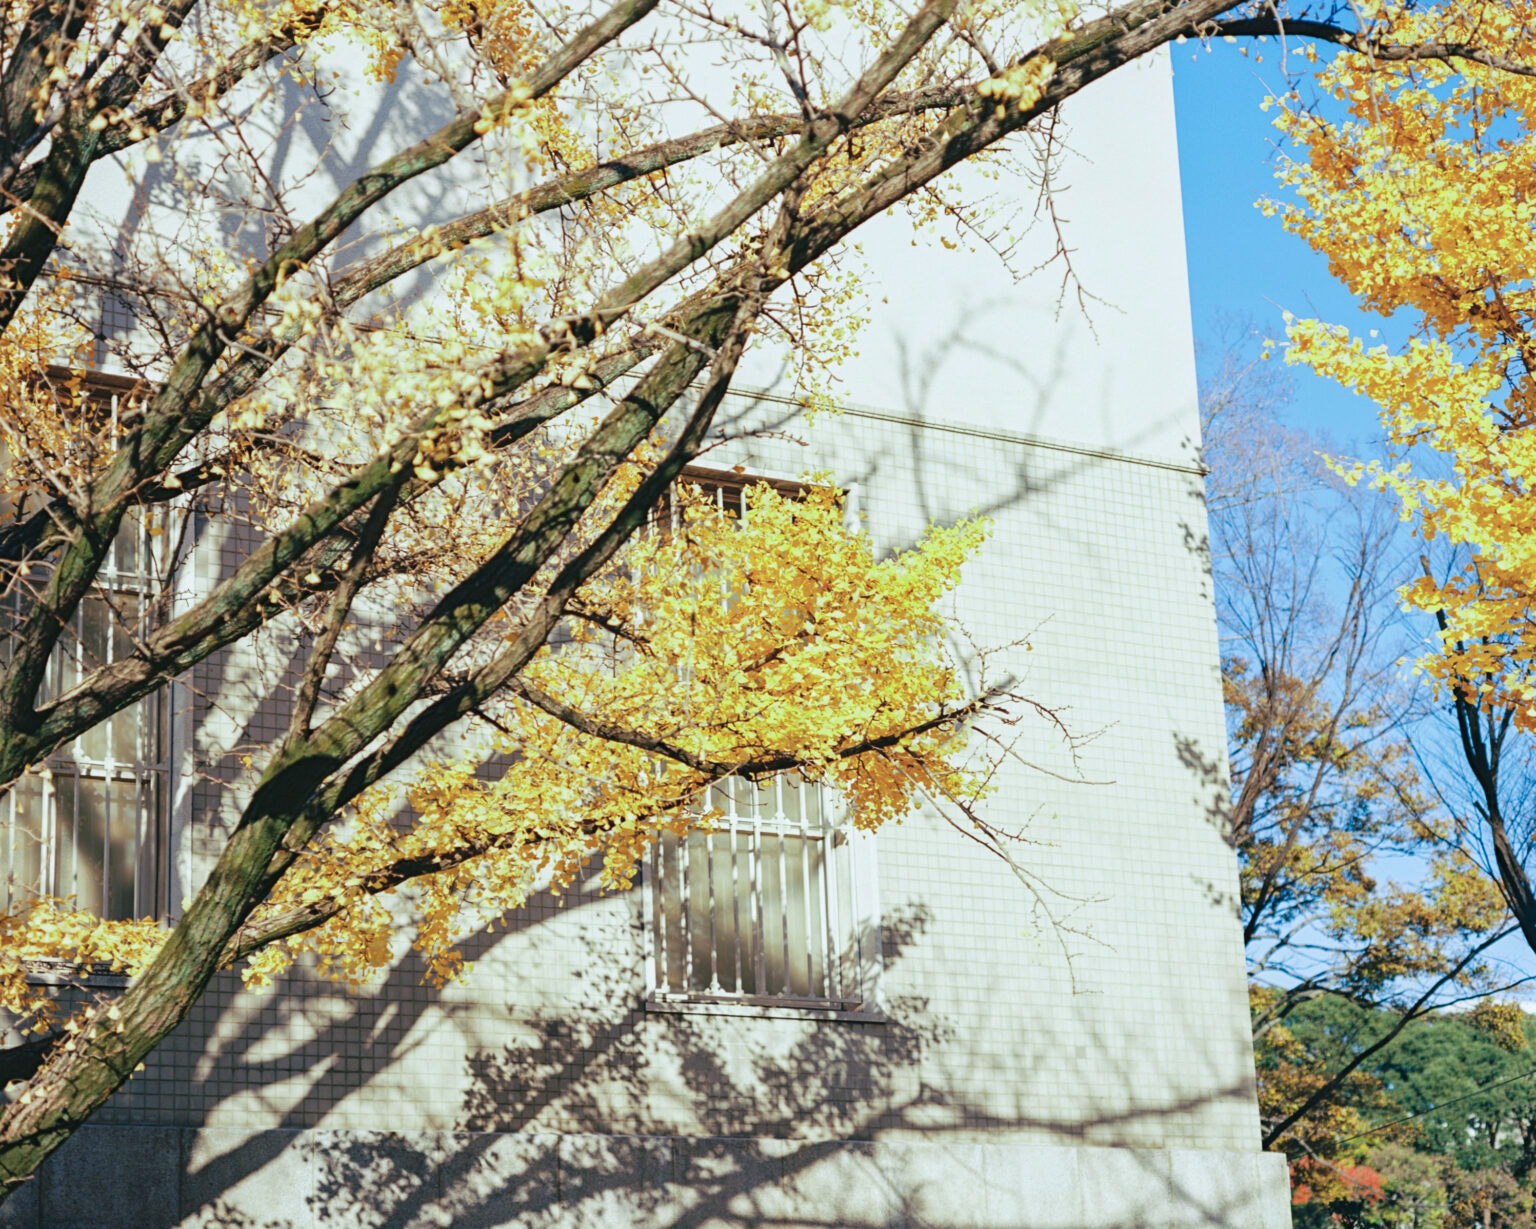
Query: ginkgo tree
point(479, 454)
point(1416, 182)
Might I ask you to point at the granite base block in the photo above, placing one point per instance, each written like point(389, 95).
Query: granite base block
point(175, 1178)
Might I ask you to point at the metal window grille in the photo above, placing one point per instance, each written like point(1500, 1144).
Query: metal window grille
point(760, 902)
point(725, 489)
point(90, 823)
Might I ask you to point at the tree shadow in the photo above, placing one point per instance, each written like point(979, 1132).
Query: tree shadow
point(999, 1090)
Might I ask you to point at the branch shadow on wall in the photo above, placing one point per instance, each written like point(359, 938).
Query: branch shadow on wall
point(602, 1113)
point(591, 1110)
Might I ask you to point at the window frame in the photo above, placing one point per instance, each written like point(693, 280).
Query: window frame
point(150, 772)
point(848, 857)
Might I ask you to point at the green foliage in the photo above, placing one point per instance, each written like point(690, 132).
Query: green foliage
point(1444, 1117)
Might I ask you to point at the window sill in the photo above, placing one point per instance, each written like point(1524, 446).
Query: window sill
point(678, 1004)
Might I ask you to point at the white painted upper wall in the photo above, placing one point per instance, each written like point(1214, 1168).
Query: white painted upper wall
point(954, 337)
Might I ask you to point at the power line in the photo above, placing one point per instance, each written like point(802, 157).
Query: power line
point(1466, 1096)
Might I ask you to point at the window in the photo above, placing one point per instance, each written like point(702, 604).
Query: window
point(726, 489)
point(90, 822)
point(769, 902)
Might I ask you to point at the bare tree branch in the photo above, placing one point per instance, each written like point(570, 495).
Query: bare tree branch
point(1375, 43)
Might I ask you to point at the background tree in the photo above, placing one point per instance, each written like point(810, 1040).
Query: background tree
point(1442, 1120)
point(1417, 186)
point(462, 408)
point(1351, 887)
point(1414, 1185)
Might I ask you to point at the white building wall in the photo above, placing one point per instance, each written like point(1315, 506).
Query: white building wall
point(1094, 1071)
point(1008, 1087)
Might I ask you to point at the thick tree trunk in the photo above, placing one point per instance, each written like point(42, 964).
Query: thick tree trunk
point(83, 1072)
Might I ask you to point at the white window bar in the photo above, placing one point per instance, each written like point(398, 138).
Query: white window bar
point(684, 907)
point(759, 954)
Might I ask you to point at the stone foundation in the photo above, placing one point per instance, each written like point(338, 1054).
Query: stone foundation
point(165, 1177)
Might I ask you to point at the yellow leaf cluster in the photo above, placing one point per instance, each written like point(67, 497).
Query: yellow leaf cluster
point(53, 434)
point(1019, 86)
point(1504, 1022)
point(46, 931)
point(1419, 186)
point(780, 635)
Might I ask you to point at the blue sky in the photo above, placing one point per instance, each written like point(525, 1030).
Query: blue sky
point(1241, 262)
point(1245, 264)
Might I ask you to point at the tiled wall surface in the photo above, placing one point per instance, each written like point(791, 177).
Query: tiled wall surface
point(1096, 996)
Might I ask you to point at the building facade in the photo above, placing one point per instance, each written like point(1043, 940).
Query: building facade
point(787, 1024)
